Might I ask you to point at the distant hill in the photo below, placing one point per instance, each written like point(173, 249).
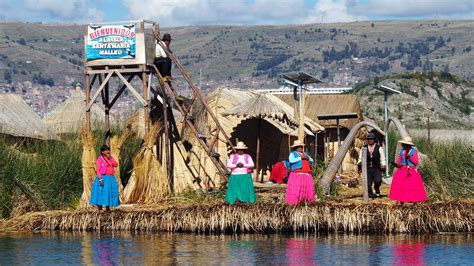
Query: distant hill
point(340, 53)
point(448, 100)
point(45, 54)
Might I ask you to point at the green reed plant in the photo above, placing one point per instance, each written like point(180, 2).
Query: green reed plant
point(448, 168)
point(49, 172)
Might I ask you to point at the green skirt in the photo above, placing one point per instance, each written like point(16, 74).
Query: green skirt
point(240, 188)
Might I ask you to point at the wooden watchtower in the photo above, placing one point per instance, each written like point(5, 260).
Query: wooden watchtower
point(122, 51)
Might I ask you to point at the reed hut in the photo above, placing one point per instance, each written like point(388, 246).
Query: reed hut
point(18, 119)
point(69, 117)
point(327, 143)
point(243, 114)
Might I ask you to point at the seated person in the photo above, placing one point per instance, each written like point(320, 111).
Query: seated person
point(162, 61)
point(280, 172)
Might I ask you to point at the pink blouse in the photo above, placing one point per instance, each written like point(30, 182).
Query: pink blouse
point(245, 159)
point(104, 166)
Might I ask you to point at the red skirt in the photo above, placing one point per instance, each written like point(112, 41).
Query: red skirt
point(278, 173)
point(407, 186)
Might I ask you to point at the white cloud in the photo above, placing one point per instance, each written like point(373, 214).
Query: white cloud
point(414, 8)
point(44, 10)
point(189, 12)
point(328, 11)
point(196, 12)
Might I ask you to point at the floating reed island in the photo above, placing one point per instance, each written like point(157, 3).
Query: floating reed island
point(328, 216)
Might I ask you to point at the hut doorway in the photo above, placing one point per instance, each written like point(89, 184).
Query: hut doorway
point(271, 139)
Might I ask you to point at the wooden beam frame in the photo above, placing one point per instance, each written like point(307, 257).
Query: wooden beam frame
point(99, 90)
point(119, 93)
point(132, 89)
point(126, 70)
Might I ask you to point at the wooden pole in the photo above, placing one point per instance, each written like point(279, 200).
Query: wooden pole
point(145, 90)
point(107, 112)
point(385, 119)
point(167, 140)
point(429, 131)
point(145, 107)
point(338, 143)
point(325, 149)
point(88, 99)
point(289, 144)
point(365, 187)
point(315, 145)
point(301, 112)
point(258, 150)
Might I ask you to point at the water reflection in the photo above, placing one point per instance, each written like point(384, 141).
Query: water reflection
point(171, 249)
point(300, 252)
point(106, 251)
point(408, 253)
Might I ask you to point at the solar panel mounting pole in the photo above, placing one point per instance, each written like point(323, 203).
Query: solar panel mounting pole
point(338, 142)
point(300, 111)
point(386, 91)
point(385, 119)
point(297, 80)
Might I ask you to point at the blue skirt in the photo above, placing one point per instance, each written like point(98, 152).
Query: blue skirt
point(106, 195)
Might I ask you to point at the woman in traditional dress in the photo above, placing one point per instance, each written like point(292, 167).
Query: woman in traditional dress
point(105, 188)
point(407, 185)
point(280, 172)
point(240, 187)
point(300, 183)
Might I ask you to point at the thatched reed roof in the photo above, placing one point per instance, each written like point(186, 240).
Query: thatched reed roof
point(69, 117)
point(228, 104)
point(261, 106)
point(18, 119)
point(329, 104)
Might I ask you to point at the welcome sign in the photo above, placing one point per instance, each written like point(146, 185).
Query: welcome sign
point(110, 42)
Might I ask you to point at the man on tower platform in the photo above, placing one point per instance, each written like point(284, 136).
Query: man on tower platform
point(162, 61)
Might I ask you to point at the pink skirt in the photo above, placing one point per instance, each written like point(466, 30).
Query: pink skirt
point(407, 186)
point(300, 188)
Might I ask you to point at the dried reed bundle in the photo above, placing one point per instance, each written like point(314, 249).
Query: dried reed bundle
point(116, 144)
point(88, 167)
point(149, 182)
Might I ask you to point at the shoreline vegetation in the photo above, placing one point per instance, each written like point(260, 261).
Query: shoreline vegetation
point(41, 187)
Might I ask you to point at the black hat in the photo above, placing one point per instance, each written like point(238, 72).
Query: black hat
point(166, 37)
point(104, 148)
point(371, 136)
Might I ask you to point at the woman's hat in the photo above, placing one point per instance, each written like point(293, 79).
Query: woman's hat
point(166, 37)
point(406, 140)
point(240, 146)
point(297, 143)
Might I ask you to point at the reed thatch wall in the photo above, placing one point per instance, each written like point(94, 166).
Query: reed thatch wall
point(69, 117)
point(263, 217)
point(19, 119)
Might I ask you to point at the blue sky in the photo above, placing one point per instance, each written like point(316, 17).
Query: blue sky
point(242, 12)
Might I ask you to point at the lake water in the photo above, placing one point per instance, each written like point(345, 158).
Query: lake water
point(166, 249)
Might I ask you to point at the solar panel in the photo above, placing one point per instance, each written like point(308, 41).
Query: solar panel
point(305, 78)
point(386, 89)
